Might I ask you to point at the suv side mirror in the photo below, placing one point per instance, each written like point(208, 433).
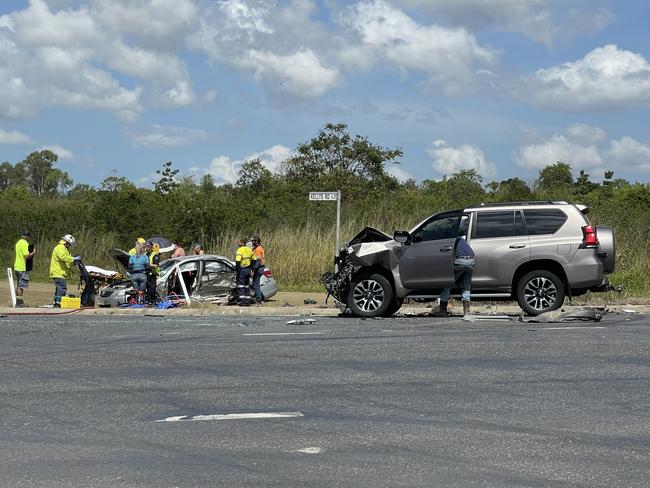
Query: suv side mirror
point(401, 236)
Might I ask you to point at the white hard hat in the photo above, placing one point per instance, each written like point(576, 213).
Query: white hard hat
point(69, 239)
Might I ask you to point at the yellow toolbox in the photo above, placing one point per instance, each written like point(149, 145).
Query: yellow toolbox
point(70, 302)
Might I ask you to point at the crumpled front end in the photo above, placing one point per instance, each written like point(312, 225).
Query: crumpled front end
point(365, 250)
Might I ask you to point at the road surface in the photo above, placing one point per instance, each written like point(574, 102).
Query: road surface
point(254, 402)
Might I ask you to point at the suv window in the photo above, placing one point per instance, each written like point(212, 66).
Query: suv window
point(443, 226)
point(496, 224)
point(539, 222)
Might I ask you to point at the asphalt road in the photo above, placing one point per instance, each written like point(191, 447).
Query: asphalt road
point(402, 402)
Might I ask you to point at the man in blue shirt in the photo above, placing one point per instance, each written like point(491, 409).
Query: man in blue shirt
point(463, 269)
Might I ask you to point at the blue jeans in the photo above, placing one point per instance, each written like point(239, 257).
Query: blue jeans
point(463, 269)
point(139, 281)
point(257, 276)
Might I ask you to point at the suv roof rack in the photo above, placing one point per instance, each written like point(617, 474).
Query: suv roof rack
point(509, 204)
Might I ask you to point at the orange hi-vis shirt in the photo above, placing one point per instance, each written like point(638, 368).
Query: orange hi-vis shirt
point(261, 255)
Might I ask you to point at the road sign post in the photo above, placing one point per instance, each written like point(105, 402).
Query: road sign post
point(330, 196)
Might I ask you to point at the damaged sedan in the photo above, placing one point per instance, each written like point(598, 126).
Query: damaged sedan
point(207, 278)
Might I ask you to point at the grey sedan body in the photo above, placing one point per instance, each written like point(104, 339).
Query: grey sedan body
point(208, 278)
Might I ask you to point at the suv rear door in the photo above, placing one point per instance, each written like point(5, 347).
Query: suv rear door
point(500, 245)
point(426, 262)
point(542, 226)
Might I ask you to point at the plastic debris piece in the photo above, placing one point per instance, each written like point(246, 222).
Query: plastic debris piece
point(310, 301)
point(487, 318)
point(578, 315)
point(301, 322)
point(629, 310)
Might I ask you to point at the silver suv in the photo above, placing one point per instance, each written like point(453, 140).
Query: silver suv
point(534, 252)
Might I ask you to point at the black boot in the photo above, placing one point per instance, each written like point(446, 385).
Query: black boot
point(442, 310)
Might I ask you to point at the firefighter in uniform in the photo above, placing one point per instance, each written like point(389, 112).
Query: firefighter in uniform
point(60, 266)
point(245, 262)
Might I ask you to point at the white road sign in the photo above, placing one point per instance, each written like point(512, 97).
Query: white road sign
point(323, 196)
point(330, 196)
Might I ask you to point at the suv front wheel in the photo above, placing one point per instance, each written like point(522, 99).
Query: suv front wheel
point(540, 291)
point(370, 295)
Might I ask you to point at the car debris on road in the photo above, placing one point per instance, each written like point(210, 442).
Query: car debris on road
point(301, 322)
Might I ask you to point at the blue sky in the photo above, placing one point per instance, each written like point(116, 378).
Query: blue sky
point(500, 86)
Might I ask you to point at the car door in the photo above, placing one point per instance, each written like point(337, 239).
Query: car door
point(427, 258)
point(217, 278)
point(185, 270)
point(500, 246)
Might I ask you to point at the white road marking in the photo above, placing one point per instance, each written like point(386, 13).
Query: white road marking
point(285, 333)
point(233, 416)
point(572, 328)
point(310, 450)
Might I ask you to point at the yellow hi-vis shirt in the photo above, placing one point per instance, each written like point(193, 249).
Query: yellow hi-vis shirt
point(154, 258)
point(245, 256)
point(61, 262)
point(22, 250)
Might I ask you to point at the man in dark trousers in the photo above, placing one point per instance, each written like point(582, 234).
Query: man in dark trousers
point(245, 262)
point(259, 269)
point(153, 253)
point(463, 269)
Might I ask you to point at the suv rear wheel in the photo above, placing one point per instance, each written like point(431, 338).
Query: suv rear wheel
point(540, 291)
point(370, 295)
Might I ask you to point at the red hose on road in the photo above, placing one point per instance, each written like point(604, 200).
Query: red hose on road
point(15, 314)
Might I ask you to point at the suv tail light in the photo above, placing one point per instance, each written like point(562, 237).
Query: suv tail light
point(267, 273)
point(589, 237)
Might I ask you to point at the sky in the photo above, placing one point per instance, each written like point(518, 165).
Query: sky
point(504, 87)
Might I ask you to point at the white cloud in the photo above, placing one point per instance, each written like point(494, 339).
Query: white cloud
point(630, 154)
point(450, 57)
point(280, 44)
point(586, 134)
point(301, 73)
point(60, 151)
point(14, 137)
point(401, 174)
point(559, 147)
point(167, 136)
point(608, 78)
point(273, 157)
point(586, 147)
point(289, 49)
point(226, 170)
point(537, 19)
point(113, 55)
point(210, 96)
point(448, 159)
